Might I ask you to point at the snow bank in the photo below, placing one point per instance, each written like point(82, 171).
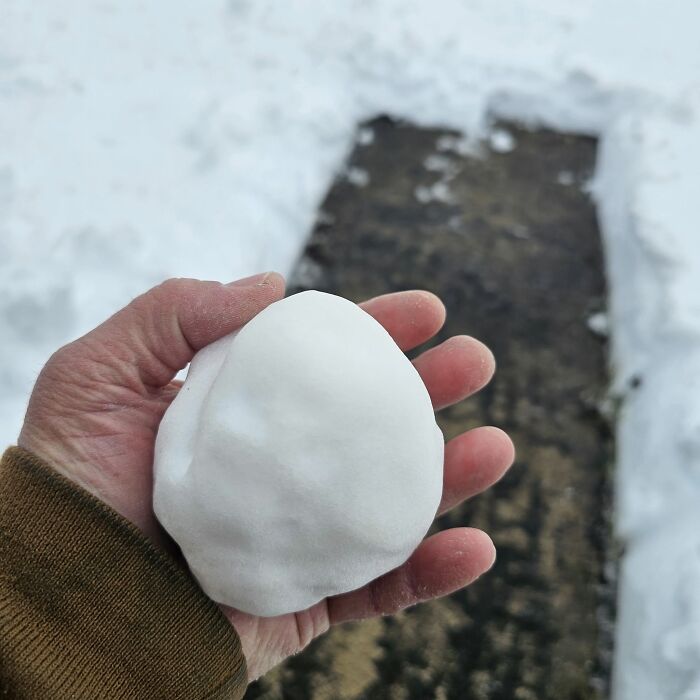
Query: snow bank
point(647, 185)
point(144, 140)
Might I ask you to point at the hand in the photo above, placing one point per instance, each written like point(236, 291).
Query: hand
point(97, 404)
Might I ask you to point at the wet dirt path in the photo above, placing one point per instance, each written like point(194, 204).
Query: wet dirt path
point(507, 236)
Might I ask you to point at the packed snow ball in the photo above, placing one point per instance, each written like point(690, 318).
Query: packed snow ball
point(301, 458)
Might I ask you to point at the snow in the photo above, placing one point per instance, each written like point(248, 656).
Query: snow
point(273, 508)
point(501, 140)
point(599, 324)
point(143, 140)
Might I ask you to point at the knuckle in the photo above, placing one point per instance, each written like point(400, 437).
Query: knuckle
point(174, 283)
point(165, 293)
point(62, 356)
point(174, 286)
point(61, 363)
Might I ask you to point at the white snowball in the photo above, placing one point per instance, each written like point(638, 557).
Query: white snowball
point(301, 458)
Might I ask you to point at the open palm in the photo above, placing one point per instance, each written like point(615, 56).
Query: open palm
point(96, 407)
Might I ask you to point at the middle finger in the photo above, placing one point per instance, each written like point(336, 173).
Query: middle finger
point(455, 369)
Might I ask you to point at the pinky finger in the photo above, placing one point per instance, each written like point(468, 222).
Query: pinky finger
point(442, 564)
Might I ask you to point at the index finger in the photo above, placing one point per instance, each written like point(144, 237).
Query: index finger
point(410, 317)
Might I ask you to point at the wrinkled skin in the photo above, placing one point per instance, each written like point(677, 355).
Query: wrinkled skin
point(97, 404)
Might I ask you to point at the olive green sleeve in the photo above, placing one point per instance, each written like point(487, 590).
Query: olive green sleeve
point(90, 608)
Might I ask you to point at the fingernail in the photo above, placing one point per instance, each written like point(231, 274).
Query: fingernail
point(251, 281)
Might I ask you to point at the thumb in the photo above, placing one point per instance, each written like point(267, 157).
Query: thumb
point(159, 332)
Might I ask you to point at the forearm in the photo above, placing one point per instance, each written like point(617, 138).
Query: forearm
point(91, 608)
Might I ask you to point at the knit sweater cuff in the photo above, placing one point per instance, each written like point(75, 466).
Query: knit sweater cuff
point(90, 608)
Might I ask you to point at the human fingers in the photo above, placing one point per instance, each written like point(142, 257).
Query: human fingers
point(474, 461)
point(455, 369)
point(159, 332)
point(410, 317)
point(440, 565)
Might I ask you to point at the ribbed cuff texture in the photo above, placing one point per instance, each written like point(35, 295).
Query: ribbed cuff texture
point(90, 608)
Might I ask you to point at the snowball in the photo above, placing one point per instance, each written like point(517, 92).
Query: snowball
point(301, 458)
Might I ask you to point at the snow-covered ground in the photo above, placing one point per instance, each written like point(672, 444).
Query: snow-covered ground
point(144, 140)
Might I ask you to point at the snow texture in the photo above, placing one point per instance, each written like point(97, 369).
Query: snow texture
point(144, 140)
point(301, 458)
